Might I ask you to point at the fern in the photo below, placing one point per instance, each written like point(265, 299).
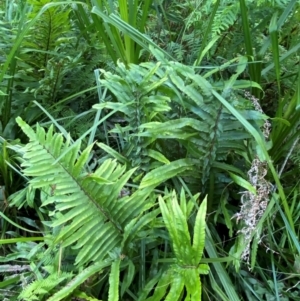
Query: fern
point(210, 131)
point(200, 128)
point(139, 100)
point(47, 35)
point(87, 214)
point(185, 272)
point(56, 56)
point(40, 288)
point(95, 228)
point(225, 17)
point(89, 202)
point(34, 278)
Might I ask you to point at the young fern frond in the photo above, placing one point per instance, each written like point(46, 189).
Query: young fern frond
point(186, 252)
point(87, 206)
point(185, 272)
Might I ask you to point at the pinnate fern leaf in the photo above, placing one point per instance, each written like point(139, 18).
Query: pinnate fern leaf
point(88, 207)
point(40, 288)
point(185, 273)
point(79, 279)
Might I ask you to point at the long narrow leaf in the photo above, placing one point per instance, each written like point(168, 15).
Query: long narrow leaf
point(163, 173)
point(114, 279)
point(199, 232)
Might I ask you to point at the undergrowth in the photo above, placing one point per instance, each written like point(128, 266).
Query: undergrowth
point(149, 150)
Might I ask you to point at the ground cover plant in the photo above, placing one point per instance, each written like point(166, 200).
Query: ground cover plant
point(149, 150)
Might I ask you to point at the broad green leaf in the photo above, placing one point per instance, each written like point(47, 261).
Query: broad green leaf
point(244, 84)
point(81, 161)
point(156, 127)
point(99, 180)
point(181, 231)
point(170, 223)
point(192, 283)
point(203, 269)
point(26, 128)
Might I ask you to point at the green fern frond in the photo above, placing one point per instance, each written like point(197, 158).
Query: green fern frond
point(42, 287)
point(79, 279)
point(187, 254)
point(178, 229)
point(48, 33)
point(161, 287)
point(185, 273)
point(137, 92)
point(225, 17)
point(88, 207)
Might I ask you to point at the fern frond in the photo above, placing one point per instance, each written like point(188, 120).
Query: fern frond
point(136, 90)
point(225, 17)
point(184, 274)
point(88, 207)
point(187, 254)
point(40, 288)
point(79, 279)
point(49, 31)
point(161, 287)
point(204, 130)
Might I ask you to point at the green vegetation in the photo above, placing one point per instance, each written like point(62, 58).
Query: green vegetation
point(149, 150)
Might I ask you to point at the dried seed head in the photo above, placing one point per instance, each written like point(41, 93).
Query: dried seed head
point(253, 205)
